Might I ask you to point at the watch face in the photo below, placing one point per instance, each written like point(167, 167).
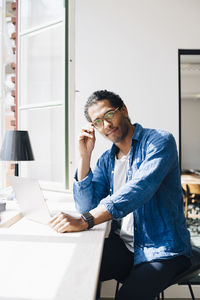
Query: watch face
point(88, 216)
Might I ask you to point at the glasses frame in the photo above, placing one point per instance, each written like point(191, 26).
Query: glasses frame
point(104, 119)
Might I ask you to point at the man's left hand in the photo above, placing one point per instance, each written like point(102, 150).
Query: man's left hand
point(66, 223)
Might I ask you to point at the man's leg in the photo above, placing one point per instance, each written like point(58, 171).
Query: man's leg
point(117, 260)
point(146, 280)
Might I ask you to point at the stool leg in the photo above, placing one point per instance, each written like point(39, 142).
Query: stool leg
point(117, 288)
point(191, 291)
point(162, 294)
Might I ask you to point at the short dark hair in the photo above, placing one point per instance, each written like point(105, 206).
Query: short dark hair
point(113, 99)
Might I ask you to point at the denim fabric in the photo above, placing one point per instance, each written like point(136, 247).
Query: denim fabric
point(152, 192)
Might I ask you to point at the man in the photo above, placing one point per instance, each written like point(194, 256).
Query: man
point(136, 184)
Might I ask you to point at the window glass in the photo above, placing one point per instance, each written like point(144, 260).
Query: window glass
point(42, 66)
point(46, 131)
point(40, 12)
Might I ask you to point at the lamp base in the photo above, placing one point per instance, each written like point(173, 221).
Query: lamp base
point(2, 206)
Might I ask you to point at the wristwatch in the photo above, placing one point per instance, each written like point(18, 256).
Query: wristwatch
point(88, 218)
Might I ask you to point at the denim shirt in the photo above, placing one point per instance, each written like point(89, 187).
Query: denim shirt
point(152, 192)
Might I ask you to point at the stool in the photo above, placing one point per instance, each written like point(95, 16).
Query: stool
point(183, 279)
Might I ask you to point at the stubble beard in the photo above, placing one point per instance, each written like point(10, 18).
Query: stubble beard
point(125, 129)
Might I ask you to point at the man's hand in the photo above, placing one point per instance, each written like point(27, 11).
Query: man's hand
point(66, 223)
point(86, 141)
point(86, 145)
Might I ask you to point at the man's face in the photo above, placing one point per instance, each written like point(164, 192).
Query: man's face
point(115, 129)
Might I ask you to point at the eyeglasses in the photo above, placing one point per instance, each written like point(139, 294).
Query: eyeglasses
point(98, 123)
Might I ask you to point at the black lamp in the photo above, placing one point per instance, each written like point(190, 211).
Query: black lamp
point(16, 147)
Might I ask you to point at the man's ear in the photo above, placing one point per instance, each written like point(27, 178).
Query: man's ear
point(124, 111)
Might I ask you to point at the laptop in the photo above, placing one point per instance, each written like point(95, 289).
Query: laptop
point(30, 199)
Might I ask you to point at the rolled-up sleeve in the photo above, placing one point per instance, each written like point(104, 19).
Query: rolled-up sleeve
point(89, 191)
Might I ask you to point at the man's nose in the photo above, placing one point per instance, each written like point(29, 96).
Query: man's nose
point(107, 124)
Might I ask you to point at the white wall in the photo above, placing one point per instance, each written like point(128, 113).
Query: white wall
point(131, 47)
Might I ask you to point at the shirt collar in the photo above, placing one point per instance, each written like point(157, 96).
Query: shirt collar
point(137, 133)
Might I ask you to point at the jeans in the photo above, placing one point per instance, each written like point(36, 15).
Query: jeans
point(143, 281)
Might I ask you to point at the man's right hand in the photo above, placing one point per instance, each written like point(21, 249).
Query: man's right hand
point(86, 142)
point(86, 146)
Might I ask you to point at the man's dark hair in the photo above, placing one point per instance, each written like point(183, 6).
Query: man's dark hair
point(113, 99)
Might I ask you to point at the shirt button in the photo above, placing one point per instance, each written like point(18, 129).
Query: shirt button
point(112, 172)
point(110, 190)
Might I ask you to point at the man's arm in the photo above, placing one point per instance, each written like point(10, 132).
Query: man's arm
point(88, 189)
point(94, 187)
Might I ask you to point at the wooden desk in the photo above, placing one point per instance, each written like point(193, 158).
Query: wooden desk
point(190, 179)
point(39, 264)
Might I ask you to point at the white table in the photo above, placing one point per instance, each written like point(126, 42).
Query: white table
point(37, 263)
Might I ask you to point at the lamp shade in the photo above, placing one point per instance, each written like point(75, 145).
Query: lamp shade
point(16, 146)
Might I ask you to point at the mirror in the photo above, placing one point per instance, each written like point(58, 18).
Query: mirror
point(189, 111)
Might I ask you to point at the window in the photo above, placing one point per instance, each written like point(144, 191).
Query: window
point(41, 87)
point(35, 84)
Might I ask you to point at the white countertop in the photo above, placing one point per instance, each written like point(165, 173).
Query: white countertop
point(39, 263)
